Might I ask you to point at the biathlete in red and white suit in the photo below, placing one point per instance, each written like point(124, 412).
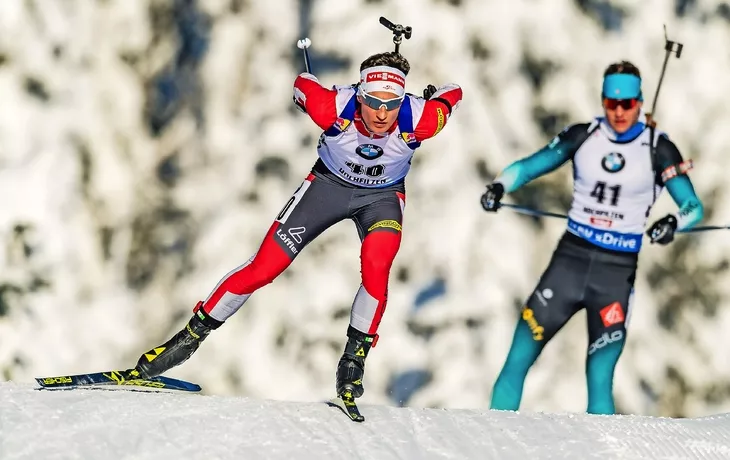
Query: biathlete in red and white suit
point(371, 131)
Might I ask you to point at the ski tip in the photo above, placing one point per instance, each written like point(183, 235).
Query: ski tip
point(54, 382)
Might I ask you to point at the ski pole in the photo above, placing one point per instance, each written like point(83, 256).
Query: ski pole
point(304, 45)
point(669, 47)
point(540, 213)
point(705, 228)
point(532, 212)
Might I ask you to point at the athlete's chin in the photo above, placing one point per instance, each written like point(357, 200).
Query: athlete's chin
point(620, 127)
point(379, 128)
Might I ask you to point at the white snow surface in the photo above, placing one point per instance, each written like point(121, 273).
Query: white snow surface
point(100, 424)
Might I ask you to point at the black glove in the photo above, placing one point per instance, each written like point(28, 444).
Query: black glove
point(490, 199)
point(429, 91)
point(662, 231)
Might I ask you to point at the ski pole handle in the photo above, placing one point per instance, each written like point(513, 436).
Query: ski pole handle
point(304, 45)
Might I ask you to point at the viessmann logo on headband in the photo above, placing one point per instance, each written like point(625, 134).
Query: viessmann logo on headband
point(385, 76)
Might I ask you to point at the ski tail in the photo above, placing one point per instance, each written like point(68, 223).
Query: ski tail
point(346, 403)
point(114, 378)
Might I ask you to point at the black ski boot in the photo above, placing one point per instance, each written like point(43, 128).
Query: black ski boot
point(351, 368)
point(176, 350)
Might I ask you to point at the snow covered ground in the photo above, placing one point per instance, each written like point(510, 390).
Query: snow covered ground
point(100, 424)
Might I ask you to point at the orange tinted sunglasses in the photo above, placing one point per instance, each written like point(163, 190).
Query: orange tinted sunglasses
point(626, 104)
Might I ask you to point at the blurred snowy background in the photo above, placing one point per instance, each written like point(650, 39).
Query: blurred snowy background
point(146, 146)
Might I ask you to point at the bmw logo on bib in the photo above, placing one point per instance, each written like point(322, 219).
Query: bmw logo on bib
point(369, 151)
point(613, 162)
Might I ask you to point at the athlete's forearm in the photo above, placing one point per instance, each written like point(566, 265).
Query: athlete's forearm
point(318, 101)
point(690, 207)
point(436, 111)
point(528, 169)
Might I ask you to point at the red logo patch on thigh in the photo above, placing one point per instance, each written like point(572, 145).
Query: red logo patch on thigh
point(612, 314)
